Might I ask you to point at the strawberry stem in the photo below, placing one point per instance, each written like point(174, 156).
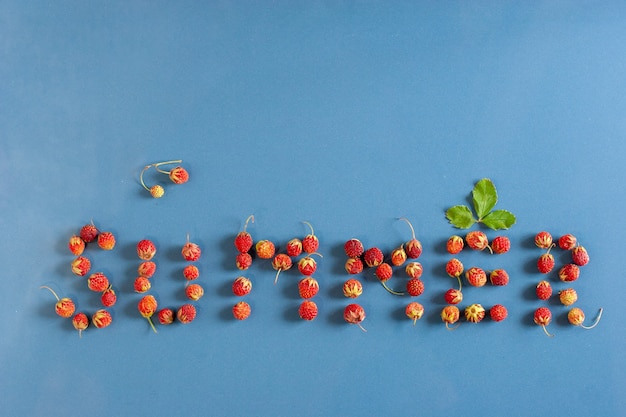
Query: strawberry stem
point(151, 324)
point(276, 279)
point(157, 165)
point(141, 177)
point(458, 278)
point(452, 328)
point(362, 328)
point(546, 331)
point(410, 225)
point(309, 224)
point(390, 290)
point(595, 322)
point(51, 290)
point(249, 219)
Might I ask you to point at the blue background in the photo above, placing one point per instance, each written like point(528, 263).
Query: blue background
point(345, 114)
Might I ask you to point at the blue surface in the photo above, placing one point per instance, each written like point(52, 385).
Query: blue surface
point(345, 114)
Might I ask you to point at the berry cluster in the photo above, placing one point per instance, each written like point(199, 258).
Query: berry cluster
point(475, 276)
point(177, 175)
point(569, 272)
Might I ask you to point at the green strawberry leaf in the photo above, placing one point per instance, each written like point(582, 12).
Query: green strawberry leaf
point(485, 197)
point(499, 219)
point(460, 216)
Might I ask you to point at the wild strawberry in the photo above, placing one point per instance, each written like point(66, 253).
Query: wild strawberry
point(474, 313)
point(373, 257)
point(453, 296)
point(454, 244)
point(242, 286)
point(191, 272)
point(567, 242)
point(454, 268)
point(499, 277)
point(543, 317)
point(413, 246)
point(97, 282)
point(106, 240)
point(147, 306)
point(307, 310)
point(415, 287)
point(477, 240)
point(101, 319)
point(308, 287)
point(580, 256)
point(76, 245)
point(307, 265)
point(243, 240)
point(108, 297)
point(498, 312)
point(142, 285)
point(281, 262)
point(310, 243)
point(80, 322)
point(191, 252)
point(64, 307)
point(384, 271)
point(569, 272)
point(156, 191)
point(500, 245)
point(353, 248)
point(568, 296)
point(543, 240)
point(146, 249)
point(354, 266)
point(294, 247)
point(450, 315)
point(265, 249)
point(243, 261)
point(476, 277)
point(543, 290)
point(166, 316)
point(241, 310)
point(194, 291)
point(186, 313)
point(352, 288)
point(81, 266)
point(88, 232)
point(414, 270)
point(179, 175)
point(545, 263)
point(576, 317)
point(398, 256)
point(354, 314)
point(146, 269)
point(414, 311)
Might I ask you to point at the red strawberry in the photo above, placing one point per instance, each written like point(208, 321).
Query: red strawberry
point(243, 261)
point(543, 290)
point(543, 240)
point(242, 286)
point(307, 310)
point(476, 277)
point(545, 263)
point(500, 245)
point(88, 232)
point(453, 296)
point(543, 317)
point(415, 287)
point(373, 257)
point(384, 272)
point(354, 266)
point(353, 248)
point(580, 256)
point(498, 312)
point(108, 297)
point(241, 310)
point(308, 287)
point(567, 242)
point(569, 273)
point(454, 244)
point(499, 277)
point(477, 240)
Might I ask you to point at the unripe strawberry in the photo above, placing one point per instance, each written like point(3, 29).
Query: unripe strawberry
point(354, 314)
point(265, 249)
point(142, 285)
point(414, 311)
point(454, 244)
point(166, 316)
point(146, 269)
point(190, 251)
point(568, 296)
point(353, 248)
point(108, 297)
point(243, 240)
point(474, 313)
point(354, 266)
point(384, 271)
point(569, 272)
point(580, 256)
point(352, 288)
point(81, 266)
point(500, 245)
point(147, 306)
point(567, 242)
point(498, 312)
point(307, 266)
point(191, 272)
point(454, 268)
point(545, 263)
point(97, 282)
point(499, 277)
point(76, 245)
point(243, 261)
point(543, 317)
point(106, 240)
point(294, 247)
point(186, 313)
point(308, 287)
point(310, 243)
point(307, 310)
point(373, 257)
point(281, 262)
point(543, 240)
point(80, 322)
point(543, 290)
point(241, 310)
point(194, 292)
point(476, 277)
point(477, 240)
point(242, 286)
point(450, 315)
point(453, 296)
point(398, 256)
point(179, 175)
point(101, 319)
point(576, 316)
point(88, 233)
point(415, 287)
point(414, 270)
point(64, 307)
point(146, 249)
